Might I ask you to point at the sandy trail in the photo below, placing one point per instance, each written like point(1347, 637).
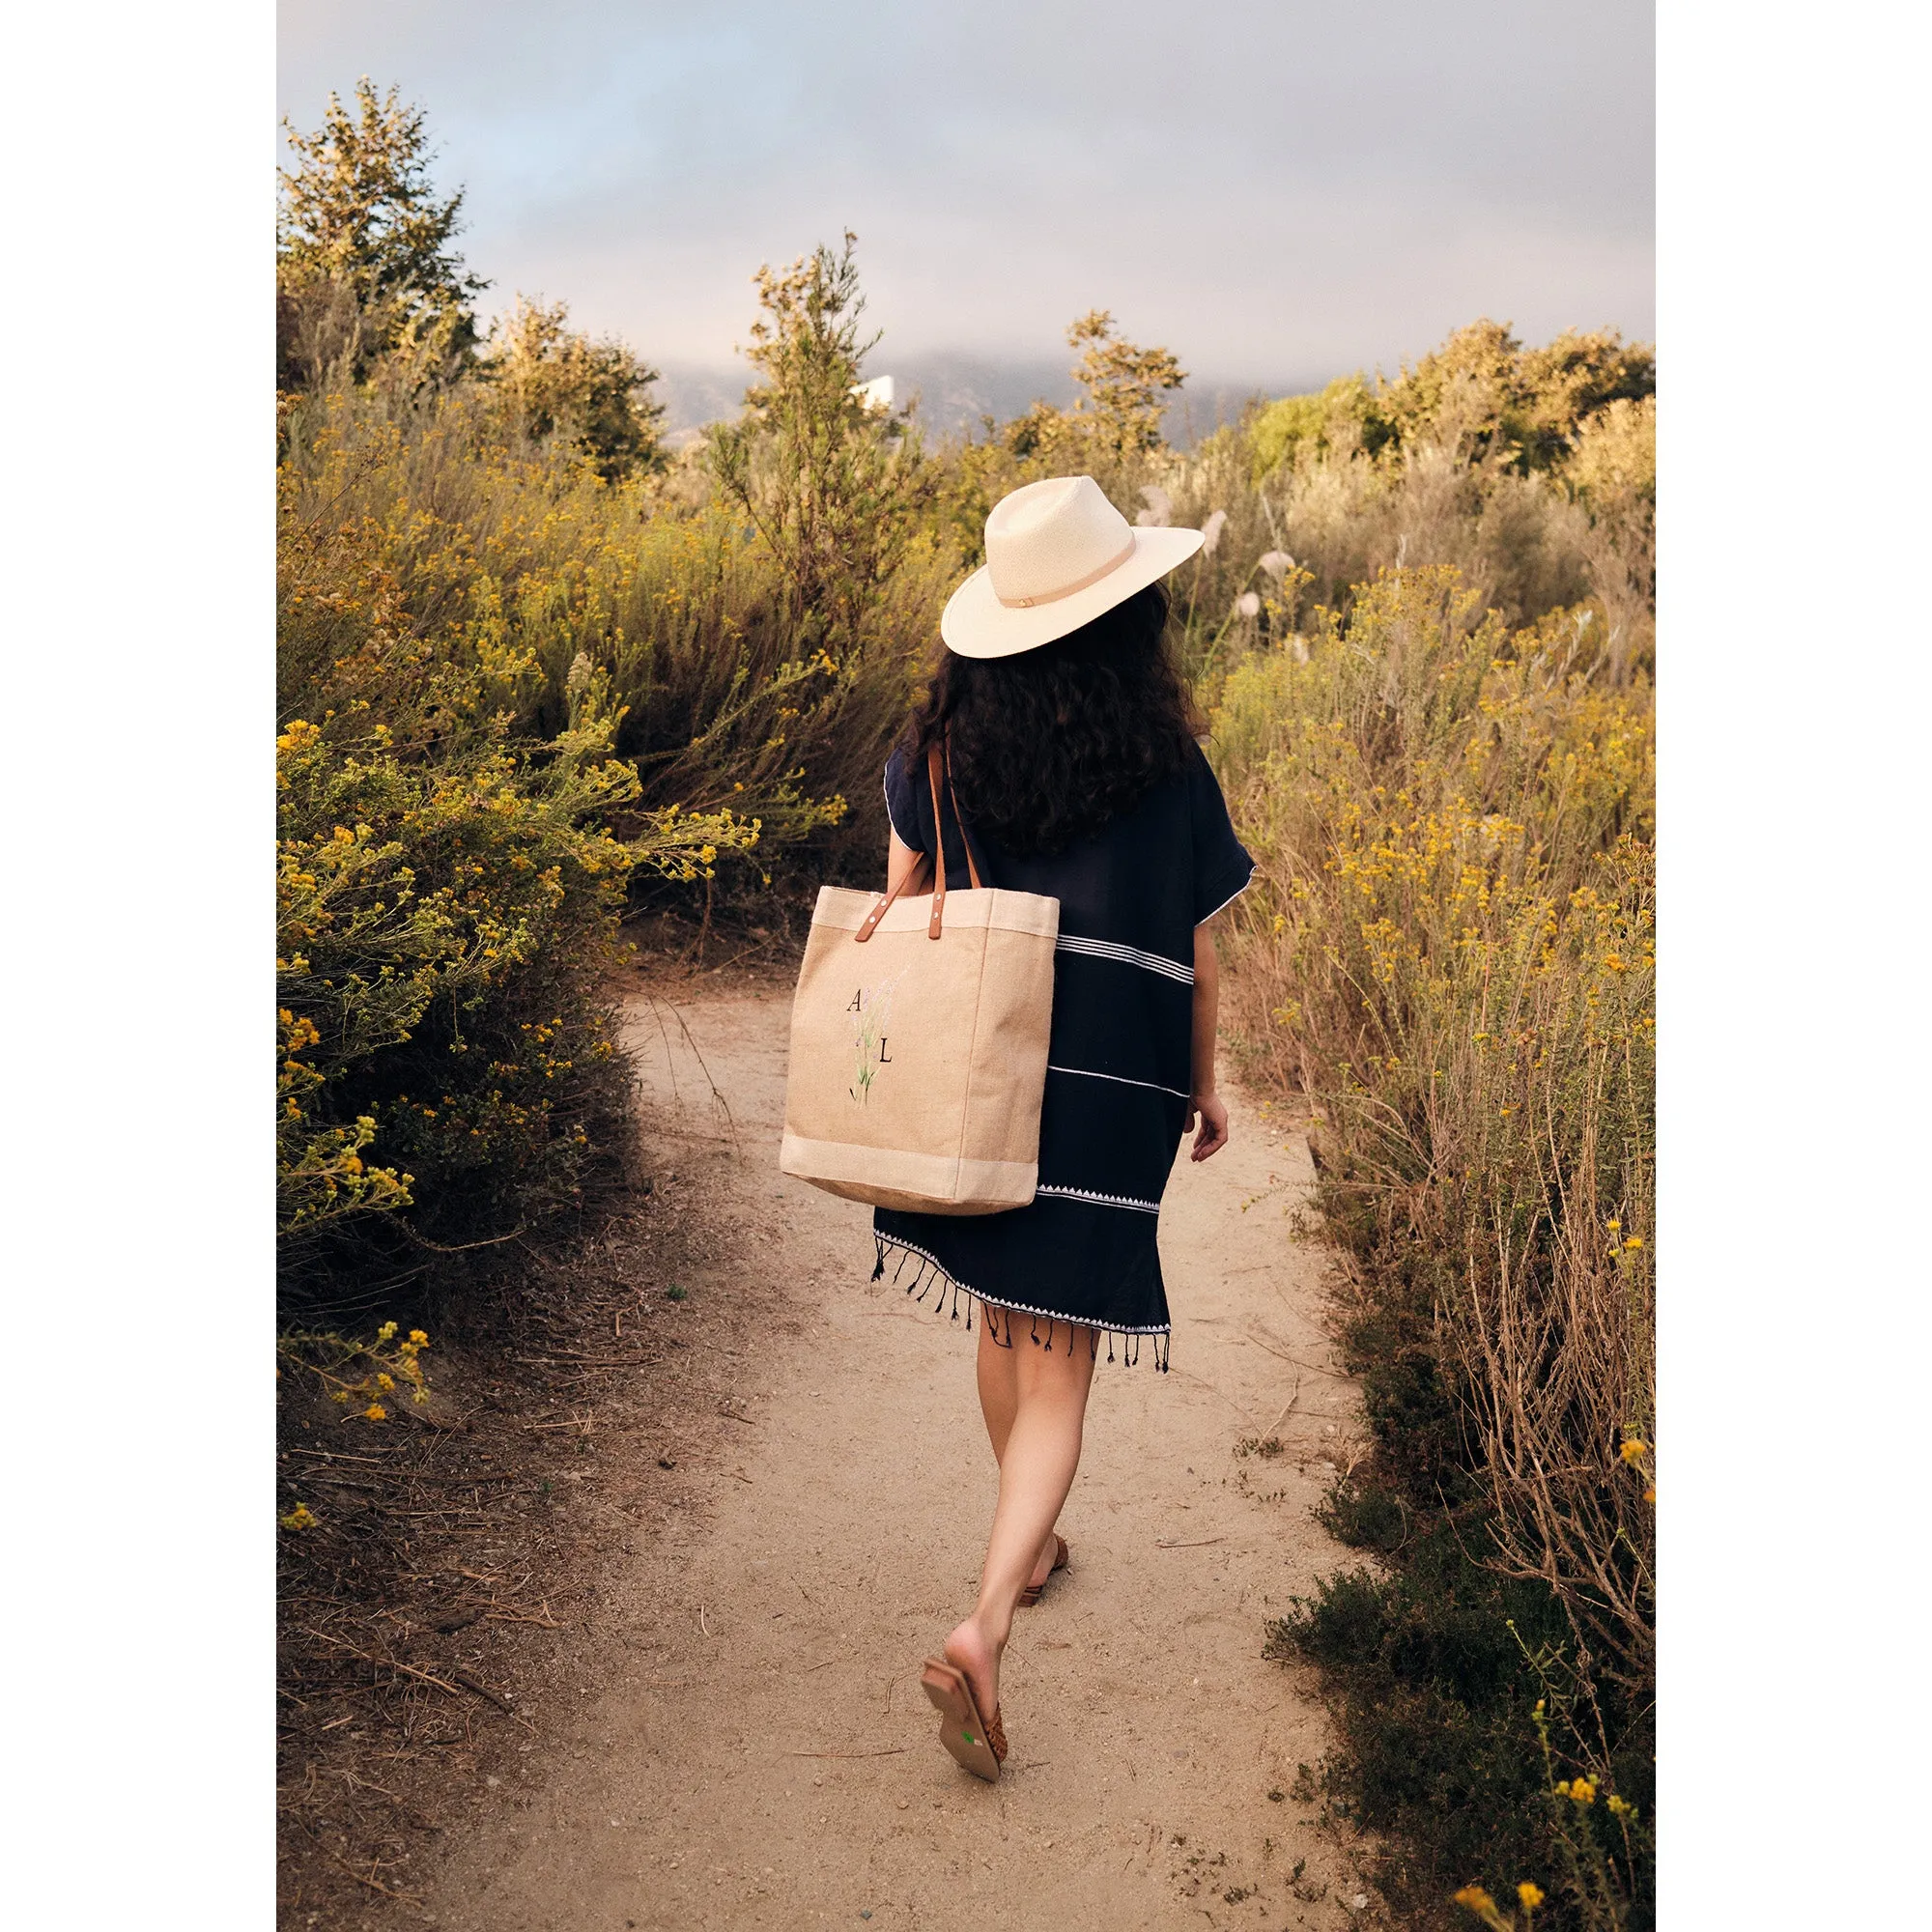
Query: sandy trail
point(749, 1747)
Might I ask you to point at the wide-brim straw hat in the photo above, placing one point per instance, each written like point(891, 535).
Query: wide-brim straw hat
point(1058, 554)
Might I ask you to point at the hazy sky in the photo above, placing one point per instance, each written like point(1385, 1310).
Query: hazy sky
point(1278, 191)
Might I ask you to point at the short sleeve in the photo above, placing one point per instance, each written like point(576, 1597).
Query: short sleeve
point(902, 803)
point(1222, 867)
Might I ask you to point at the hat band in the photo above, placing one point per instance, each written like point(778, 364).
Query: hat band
point(1091, 578)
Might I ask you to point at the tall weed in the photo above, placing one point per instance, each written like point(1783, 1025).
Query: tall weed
point(1450, 950)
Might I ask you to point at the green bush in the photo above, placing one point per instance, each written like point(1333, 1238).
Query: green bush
point(447, 895)
point(422, 522)
point(1442, 1710)
point(443, 1049)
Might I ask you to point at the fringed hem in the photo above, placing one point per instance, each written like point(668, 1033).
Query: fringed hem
point(997, 1315)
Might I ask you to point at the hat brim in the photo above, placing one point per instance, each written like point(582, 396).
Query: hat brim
point(975, 624)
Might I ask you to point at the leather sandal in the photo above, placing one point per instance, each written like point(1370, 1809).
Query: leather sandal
point(1032, 1593)
point(977, 1746)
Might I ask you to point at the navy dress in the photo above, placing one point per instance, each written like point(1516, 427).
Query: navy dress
point(1119, 1068)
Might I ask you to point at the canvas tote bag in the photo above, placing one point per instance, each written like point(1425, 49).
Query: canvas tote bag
point(918, 1037)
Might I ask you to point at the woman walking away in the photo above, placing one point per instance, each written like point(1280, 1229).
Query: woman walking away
point(1070, 740)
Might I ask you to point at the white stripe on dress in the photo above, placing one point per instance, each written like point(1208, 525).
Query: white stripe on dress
point(1120, 1079)
point(1101, 1200)
point(1126, 955)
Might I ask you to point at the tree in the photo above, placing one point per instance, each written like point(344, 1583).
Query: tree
point(1340, 416)
point(1525, 403)
point(364, 255)
point(1571, 378)
point(554, 381)
point(1521, 407)
point(1123, 391)
point(834, 485)
point(1124, 384)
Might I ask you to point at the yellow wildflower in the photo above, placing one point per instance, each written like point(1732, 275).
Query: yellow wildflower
point(376, 1413)
point(1473, 1898)
point(384, 1380)
point(1633, 1449)
point(298, 1517)
point(1530, 1895)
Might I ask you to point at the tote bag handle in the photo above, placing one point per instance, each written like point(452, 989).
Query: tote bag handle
point(933, 761)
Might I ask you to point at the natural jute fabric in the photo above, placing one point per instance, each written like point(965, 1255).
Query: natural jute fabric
point(918, 1062)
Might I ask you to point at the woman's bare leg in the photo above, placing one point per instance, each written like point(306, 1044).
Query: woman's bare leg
point(1038, 1462)
point(997, 1372)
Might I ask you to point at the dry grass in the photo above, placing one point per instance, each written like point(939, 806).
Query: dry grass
point(1450, 950)
point(437, 1615)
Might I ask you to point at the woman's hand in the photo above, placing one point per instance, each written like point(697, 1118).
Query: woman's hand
point(1214, 1134)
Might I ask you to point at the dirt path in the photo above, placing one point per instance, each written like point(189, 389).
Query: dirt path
point(749, 1746)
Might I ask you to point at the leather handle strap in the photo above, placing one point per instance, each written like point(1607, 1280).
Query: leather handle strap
point(935, 925)
point(971, 870)
point(932, 926)
point(885, 905)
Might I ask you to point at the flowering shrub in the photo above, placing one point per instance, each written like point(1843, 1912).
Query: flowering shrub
point(1449, 949)
point(414, 541)
point(418, 903)
point(361, 1379)
point(447, 898)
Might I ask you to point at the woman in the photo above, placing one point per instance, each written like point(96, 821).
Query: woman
point(1070, 740)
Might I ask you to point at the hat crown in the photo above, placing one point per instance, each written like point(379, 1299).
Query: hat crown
point(1051, 537)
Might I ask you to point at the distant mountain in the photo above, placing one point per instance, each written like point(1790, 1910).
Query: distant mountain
point(693, 396)
point(954, 392)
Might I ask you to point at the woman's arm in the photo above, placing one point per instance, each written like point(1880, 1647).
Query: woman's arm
point(900, 861)
point(1204, 1100)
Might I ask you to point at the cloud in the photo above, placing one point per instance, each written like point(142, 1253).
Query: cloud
point(1277, 191)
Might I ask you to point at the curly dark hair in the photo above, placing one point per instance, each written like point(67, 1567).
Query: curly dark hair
point(1047, 746)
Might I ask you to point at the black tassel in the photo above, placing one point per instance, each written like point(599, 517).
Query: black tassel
point(1110, 1345)
point(879, 1265)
